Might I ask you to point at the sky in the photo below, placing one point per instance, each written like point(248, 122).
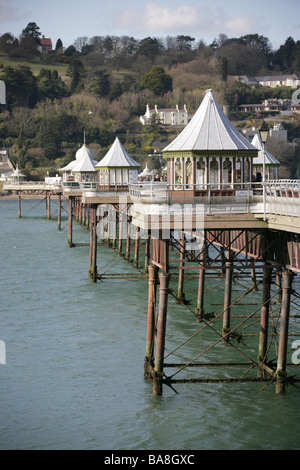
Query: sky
point(201, 19)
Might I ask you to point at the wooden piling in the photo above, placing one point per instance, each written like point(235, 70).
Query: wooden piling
point(287, 278)
point(264, 320)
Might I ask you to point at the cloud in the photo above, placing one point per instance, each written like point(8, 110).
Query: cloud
point(7, 11)
point(187, 19)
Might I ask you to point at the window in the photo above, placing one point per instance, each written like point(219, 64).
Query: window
point(188, 174)
point(178, 174)
point(200, 174)
point(238, 171)
point(227, 173)
point(214, 173)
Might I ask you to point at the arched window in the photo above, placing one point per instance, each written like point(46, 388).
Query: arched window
point(200, 174)
point(214, 173)
point(188, 174)
point(178, 174)
point(227, 173)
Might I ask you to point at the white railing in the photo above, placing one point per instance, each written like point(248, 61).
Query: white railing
point(280, 197)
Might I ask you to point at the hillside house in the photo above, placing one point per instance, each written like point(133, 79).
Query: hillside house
point(45, 46)
point(271, 81)
point(167, 116)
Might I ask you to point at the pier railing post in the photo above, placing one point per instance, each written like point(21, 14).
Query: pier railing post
point(161, 332)
point(287, 278)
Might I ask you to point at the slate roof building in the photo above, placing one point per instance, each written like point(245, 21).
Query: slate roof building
point(271, 164)
point(117, 168)
point(209, 154)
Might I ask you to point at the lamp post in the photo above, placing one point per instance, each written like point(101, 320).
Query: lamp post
point(263, 133)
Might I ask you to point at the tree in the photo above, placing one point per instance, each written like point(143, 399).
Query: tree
point(99, 83)
point(21, 86)
point(59, 44)
point(77, 72)
point(157, 80)
point(8, 44)
point(50, 85)
point(149, 47)
point(30, 40)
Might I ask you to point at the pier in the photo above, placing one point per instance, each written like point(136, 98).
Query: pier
point(208, 221)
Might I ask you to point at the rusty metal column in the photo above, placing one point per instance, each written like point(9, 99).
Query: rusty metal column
point(200, 296)
point(48, 205)
point(287, 278)
point(149, 359)
point(227, 298)
point(19, 204)
point(161, 333)
point(59, 212)
point(180, 296)
point(147, 253)
point(70, 228)
point(264, 319)
point(127, 254)
point(136, 247)
point(93, 244)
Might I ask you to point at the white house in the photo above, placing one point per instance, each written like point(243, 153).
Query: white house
point(168, 116)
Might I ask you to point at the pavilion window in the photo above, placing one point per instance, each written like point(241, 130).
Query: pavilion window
point(214, 173)
point(238, 171)
point(119, 176)
point(200, 173)
point(178, 174)
point(227, 173)
point(125, 176)
point(112, 177)
point(188, 174)
point(247, 176)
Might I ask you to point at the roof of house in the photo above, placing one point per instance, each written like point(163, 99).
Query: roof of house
point(209, 129)
point(117, 157)
point(45, 41)
point(259, 160)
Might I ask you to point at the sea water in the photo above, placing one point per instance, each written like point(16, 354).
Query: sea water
point(73, 371)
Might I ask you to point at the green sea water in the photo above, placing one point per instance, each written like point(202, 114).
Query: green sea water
point(73, 377)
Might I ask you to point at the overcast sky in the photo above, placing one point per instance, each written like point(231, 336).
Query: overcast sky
point(201, 19)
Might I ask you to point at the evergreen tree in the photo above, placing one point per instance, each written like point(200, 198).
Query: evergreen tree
point(157, 80)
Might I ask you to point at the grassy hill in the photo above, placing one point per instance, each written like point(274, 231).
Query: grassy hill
point(35, 64)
